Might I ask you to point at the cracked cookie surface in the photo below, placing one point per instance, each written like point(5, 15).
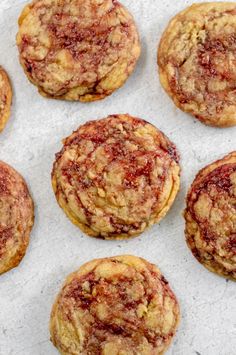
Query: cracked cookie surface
point(120, 305)
point(5, 98)
point(16, 217)
point(197, 62)
point(116, 176)
point(77, 49)
point(211, 217)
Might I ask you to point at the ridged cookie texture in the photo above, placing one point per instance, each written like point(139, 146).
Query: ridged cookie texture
point(16, 217)
point(211, 217)
point(197, 62)
point(113, 306)
point(77, 49)
point(116, 176)
point(5, 98)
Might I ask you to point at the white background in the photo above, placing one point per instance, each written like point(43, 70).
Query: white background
point(29, 142)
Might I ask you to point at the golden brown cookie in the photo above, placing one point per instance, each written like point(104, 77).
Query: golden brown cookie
point(116, 177)
point(77, 49)
point(211, 217)
point(5, 98)
point(115, 306)
point(197, 62)
point(16, 217)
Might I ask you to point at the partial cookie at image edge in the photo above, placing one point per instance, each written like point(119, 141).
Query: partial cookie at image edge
point(73, 61)
point(16, 217)
point(119, 281)
point(190, 56)
point(5, 98)
point(210, 204)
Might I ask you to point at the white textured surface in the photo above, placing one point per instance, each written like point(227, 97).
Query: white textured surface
point(29, 142)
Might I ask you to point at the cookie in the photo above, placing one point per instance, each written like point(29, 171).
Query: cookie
point(16, 217)
point(77, 49)
point(118, 305)
point(117, 176)
point(211, 217)
point(5, 98)
point(197, 62)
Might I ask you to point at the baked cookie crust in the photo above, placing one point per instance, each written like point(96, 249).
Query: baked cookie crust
point(118, 305)
point(77, 49)
point(116, 176)
point(211, 217)
point(5, 98)
point(16, 217)
point(197, 62)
